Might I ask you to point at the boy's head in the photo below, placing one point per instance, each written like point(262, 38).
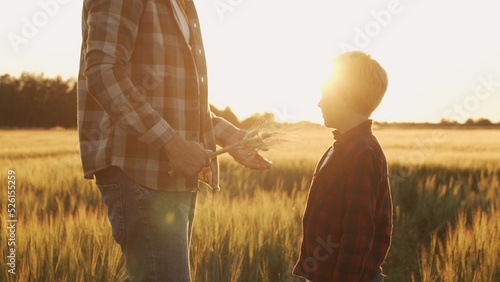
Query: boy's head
point(356, 87)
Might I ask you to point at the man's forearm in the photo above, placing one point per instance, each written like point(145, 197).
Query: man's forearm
point(223, 129)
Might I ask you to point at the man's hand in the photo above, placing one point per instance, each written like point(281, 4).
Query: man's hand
point(247, 157)
point(187, 158)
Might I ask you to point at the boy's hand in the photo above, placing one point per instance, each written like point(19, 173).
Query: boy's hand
point(187, 158)
point(249, 158)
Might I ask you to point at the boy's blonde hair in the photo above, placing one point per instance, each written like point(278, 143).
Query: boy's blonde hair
point(363, 80)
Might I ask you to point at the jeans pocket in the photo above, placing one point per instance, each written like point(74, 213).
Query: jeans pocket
point(112, 196)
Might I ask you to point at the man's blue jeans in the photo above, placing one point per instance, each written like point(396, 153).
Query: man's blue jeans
point(152, 227)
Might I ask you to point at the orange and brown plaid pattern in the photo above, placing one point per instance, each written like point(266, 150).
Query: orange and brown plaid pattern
point(140, 84)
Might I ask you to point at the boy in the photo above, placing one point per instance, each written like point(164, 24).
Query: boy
point(347, 223)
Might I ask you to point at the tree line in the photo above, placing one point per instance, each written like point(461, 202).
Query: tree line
point(36, 101)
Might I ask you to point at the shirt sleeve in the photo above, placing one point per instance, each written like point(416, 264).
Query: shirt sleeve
point(358, 223)
point(111, 29)
point(222, 128)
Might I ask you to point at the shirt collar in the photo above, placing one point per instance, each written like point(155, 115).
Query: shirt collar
point(182, 20)
point(360, 129)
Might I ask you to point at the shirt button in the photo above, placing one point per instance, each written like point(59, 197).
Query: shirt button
point(200, 51)
point(202, 79)
point(195, 25)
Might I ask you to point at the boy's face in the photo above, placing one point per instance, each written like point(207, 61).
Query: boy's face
point(333, 104)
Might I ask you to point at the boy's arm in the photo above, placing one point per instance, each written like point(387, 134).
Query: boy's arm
point(358, 224)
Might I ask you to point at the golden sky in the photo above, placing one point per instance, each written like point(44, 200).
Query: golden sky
point(442, 57)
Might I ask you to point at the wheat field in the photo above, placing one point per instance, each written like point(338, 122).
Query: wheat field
point(446, 195)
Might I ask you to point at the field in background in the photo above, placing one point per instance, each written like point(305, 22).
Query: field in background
point(445, 187)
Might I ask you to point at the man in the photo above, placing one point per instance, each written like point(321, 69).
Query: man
point(347, 224)
point(146, 129)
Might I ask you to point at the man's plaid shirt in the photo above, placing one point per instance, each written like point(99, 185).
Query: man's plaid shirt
point(140, 83)
point(347, 224)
